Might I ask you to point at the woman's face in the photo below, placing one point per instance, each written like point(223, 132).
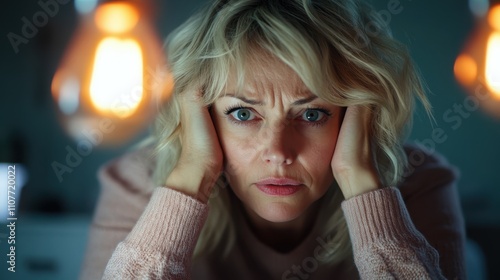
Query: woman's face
point(278, 140)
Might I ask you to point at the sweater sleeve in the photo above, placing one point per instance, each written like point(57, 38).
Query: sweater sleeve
point(431, 197)
point(126, 190)
point(385, 242)
point(161, 244)
point(421, 217)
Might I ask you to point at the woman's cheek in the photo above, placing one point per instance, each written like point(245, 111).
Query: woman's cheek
point(237, 147)
point(321, 144)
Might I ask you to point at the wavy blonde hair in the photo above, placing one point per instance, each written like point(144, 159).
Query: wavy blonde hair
point(326, 43)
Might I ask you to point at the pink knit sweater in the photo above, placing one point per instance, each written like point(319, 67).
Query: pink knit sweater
point(140, 231)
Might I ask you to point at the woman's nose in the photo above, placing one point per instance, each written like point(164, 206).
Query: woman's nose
point(278, 145)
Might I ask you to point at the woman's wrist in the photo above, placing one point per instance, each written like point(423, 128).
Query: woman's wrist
point(196, 184)
point(354, 183)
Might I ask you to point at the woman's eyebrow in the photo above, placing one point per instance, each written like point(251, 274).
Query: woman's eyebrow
point(256, 102)
point(246, 100)
point(304, 100)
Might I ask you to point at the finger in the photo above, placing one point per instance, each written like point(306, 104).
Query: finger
point(352, 163)
point(193, 116)
point(358, 115)
point(353, 125)
point(197, 126)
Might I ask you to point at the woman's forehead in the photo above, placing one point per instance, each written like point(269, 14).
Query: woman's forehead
point(269, 86)
point(268, 72)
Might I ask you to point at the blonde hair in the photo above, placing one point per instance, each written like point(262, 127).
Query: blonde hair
point(326, 44)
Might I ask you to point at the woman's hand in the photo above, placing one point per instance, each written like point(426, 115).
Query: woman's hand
point(200, 162)
point(352, 162)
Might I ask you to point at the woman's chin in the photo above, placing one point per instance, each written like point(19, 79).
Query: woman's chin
point(279, 212)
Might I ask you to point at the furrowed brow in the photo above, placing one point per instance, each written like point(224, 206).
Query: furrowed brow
point(246, 100)
point(304, 100)
point(260, 103)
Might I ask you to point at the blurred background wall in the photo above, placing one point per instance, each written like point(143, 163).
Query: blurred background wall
point(54, 211)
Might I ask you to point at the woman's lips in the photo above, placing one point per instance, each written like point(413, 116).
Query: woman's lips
point(279, 186)
point(279, 190)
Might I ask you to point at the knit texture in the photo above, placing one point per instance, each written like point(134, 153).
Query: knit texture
point(161, 244)
point(414, 231)
point(385, 241)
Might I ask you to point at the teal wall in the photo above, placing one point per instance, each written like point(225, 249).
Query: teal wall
point(435, 32)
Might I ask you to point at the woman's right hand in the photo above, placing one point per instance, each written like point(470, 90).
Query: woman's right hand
point(200, 162)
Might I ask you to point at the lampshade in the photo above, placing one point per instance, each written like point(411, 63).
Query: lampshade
point(113, 76)
point(477, 68)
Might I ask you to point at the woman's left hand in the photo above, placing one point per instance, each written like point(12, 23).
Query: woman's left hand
point(352, 162)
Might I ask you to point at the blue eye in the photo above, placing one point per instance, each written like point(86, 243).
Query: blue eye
point(242, 114)
point(311, 115)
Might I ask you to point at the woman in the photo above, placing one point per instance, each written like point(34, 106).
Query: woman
point(287, 121)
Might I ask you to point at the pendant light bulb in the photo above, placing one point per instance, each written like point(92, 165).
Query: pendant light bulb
point(113, 76)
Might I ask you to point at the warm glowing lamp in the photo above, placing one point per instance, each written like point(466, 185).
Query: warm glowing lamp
point(113, 77)
point(477, 68)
